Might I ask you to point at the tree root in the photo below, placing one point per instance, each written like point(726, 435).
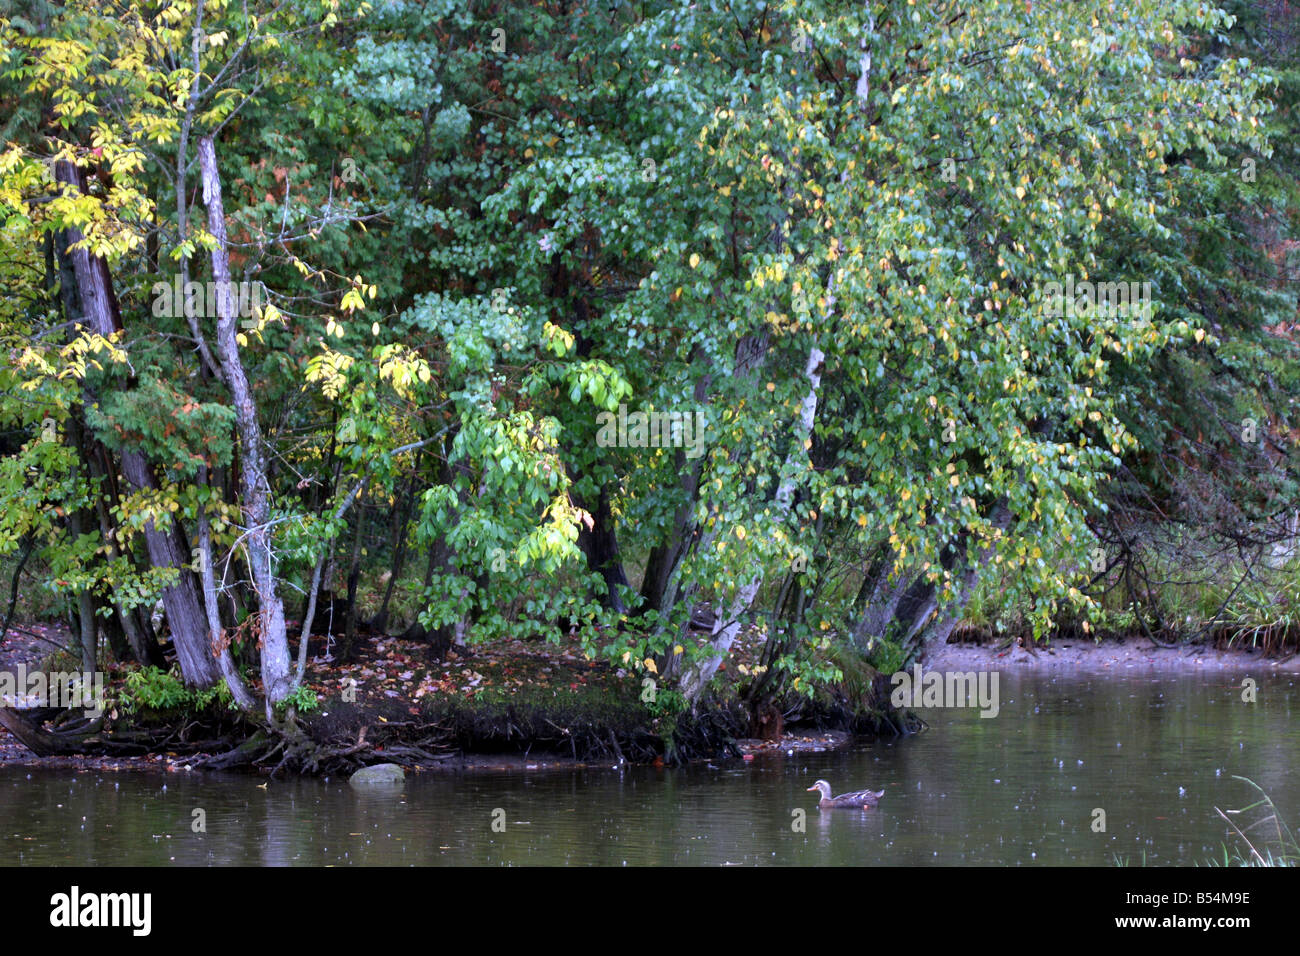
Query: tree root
point(341, 739)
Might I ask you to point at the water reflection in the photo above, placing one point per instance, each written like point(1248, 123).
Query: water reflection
point(1156, 754)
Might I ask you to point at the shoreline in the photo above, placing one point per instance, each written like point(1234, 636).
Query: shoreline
point(15, 755)
point(1079, 656)
point(1108, 656)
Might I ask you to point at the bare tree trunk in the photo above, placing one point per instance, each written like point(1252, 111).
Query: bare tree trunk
point(97, 307)
point(78, 522)
point(354, 575)
point(34, 737)
point(89, 630)
point(217, 634)
point(878, 598)
point(309, 615)
point(727, 626)
point(109, 619)
point(143, 644)
point(182, 194)
point(933, 630)
point(277, 678)
point(599, 544)
point(908, 609)
point(665, 558)
point(401, 518)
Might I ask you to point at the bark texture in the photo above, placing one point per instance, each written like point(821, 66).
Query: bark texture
point(165, 543)
point(277, 677)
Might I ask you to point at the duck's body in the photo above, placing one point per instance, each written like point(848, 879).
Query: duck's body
point(858, 799)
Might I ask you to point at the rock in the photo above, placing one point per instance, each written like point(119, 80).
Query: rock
point(380, 773)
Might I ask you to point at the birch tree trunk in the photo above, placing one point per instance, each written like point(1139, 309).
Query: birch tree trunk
point(217, 633)
point(726, 628)
point(277, 678)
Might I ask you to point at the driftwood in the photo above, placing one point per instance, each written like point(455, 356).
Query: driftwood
point(32, 735)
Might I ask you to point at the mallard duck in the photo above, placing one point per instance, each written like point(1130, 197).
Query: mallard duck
point(858, 799)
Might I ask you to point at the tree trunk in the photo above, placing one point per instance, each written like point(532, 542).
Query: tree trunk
point(97, 307)
point(354, 575)
point(727, 626)
point(934, 631)
point(142, 641)
point(89, 630)
point(600, 545)
point(34, 737)
point(216, 633)
point(401, 518)
point(79, 523)
point(313, 593)
point(277, 677)
point(666, 557)
point(909, 610)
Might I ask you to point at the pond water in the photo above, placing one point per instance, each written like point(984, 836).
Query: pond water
point(1157, 752)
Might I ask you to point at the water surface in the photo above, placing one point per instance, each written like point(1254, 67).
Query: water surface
point(1156, 752)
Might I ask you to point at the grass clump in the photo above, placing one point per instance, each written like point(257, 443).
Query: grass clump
point(1265, 839)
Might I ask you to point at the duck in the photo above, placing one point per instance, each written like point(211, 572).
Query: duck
point(858, 799)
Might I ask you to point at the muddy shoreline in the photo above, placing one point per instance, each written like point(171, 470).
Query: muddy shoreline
point(788, 745)
point(1134, 654)
point(1086, 656)
point(14, 754)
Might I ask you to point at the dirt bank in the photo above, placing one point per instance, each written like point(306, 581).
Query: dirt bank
point(504, 705)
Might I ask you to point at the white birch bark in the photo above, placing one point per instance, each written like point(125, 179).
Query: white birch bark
point(726, 628)
point(277, 678)
point(216, 633)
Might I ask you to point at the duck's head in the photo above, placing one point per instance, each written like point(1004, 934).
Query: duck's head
point(824, 787)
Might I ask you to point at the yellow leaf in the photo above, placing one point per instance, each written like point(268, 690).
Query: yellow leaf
point(677, 649)
point(695, 260)
point(650, 665)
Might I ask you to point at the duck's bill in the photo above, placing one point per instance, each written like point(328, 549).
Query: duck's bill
point(811, 789)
